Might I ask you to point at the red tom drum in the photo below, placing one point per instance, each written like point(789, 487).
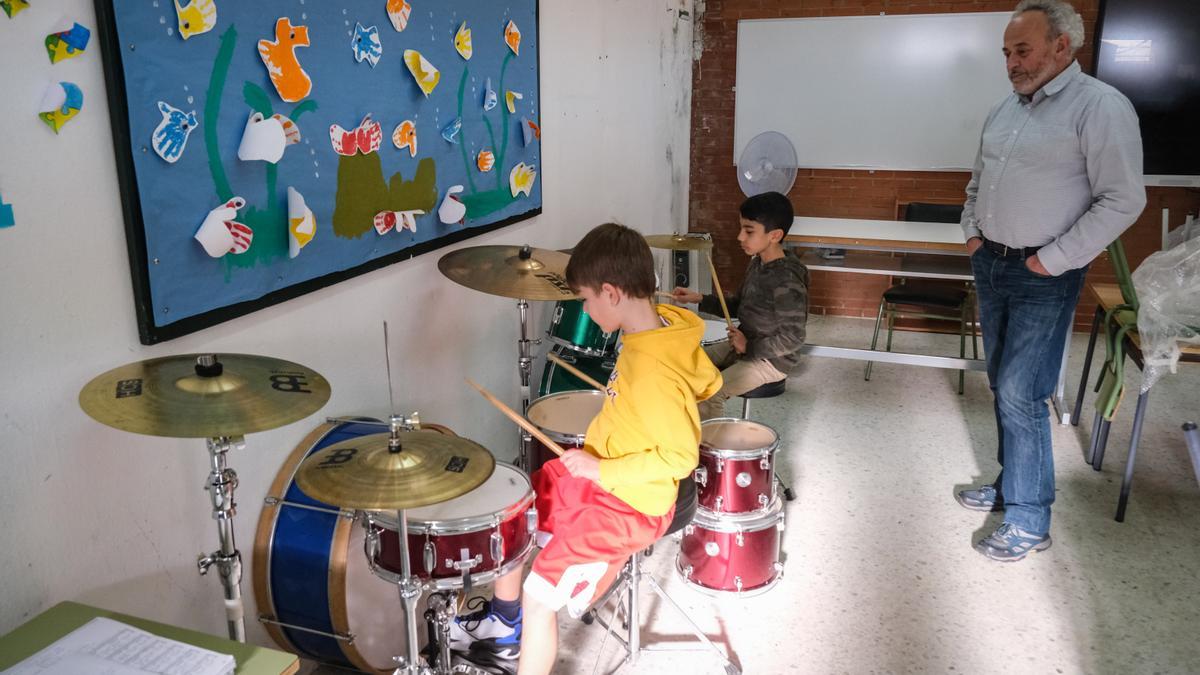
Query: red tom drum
point(737, 466)
point(732, 554)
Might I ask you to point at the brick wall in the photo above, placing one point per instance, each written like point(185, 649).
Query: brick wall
point(715, 194)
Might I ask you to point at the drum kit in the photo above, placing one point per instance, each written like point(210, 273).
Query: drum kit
point(435, 512)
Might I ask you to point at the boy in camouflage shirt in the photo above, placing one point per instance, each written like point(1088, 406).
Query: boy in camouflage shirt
point(771, 306)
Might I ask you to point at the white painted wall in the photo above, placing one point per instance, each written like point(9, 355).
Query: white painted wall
point(100, 516)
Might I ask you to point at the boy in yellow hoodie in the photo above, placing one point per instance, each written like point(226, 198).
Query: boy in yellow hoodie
point(616, 495)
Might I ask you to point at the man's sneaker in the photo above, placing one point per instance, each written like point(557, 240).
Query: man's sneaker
point(982, 498)
point(1010, 543)
point(486, 630)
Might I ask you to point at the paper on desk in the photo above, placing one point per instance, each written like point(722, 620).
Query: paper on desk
point(106, 647)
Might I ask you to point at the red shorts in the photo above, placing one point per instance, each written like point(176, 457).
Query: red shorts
point(592, 534)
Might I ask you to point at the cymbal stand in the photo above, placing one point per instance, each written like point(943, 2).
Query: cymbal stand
point(221, 482)
point(525, 367)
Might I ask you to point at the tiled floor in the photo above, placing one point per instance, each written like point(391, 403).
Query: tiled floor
point(880, 576)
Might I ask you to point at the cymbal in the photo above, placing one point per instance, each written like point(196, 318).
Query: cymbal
point(169, 396)
point(680, 242)
point(518, 272)
point(363, 472)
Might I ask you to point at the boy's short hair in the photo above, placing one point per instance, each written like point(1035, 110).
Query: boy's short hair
point(612, 254)
point(771, 209)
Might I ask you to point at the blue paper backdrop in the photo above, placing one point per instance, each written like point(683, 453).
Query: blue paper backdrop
point(220, 76)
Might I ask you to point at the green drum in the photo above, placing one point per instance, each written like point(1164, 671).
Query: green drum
point(572, 328)
point(556, 378)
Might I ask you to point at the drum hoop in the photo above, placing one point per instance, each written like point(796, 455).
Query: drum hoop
point(728, 453)
point(732, 523)
point(468, 524)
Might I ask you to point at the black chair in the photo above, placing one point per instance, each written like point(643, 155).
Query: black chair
point(628, 583)
point(931, 301)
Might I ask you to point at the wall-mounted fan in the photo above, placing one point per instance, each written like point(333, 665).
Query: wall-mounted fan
point(768, 164)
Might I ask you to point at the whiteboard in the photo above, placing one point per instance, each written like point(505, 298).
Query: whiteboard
point(880, 92)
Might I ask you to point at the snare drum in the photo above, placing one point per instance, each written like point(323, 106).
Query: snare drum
point(572, 328)
point(555, 378)
point(483, 534)
point(737, 468)
point(315, 592)
point(564, 417)
point(715, 332)
point(732, 554)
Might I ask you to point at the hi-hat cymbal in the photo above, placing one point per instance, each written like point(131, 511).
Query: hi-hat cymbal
point(174, 396)
point(680, 242)
point(511, 271)
point(364, 472)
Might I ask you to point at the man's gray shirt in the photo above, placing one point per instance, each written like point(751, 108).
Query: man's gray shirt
point(1061, 170)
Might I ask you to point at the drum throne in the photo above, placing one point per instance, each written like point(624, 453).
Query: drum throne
point(625, 589)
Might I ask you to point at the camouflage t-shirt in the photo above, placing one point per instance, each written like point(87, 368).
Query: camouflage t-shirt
point(772, 307)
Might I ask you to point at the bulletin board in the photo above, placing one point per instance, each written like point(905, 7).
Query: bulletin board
point(268, 149)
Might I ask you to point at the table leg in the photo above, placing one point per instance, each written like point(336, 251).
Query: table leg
point(1087, 367)
point(1136, 435)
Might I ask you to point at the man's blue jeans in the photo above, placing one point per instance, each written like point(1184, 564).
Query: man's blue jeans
point(1024, 318)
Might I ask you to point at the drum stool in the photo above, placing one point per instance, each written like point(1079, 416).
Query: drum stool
point(629, 581)
point(768, 390)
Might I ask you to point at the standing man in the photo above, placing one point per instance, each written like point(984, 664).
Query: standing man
point(1058, 177)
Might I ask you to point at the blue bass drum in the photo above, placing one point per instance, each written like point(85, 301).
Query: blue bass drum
point(316, 596)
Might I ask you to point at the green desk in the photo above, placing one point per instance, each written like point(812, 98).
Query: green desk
point(40, 631)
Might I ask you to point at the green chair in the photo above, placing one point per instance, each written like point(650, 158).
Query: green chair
point(1119, 320)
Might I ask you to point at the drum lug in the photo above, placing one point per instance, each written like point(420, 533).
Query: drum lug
point(778, 567)
point(717, 503)
point(687, 571)
point(688, 529)
point(497, 546)
point(763, 500)
point(764, 463)
point(430, 556)
point(558, 312)
point(720, 464)
point(743, 480)
point(741, 540)
point(701, 476)
point(737, 582)
point(531, 519)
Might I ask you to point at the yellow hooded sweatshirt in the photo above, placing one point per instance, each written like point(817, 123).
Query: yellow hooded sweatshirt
point(647, 434)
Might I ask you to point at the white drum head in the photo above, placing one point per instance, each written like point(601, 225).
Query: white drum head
point(714, 331)
point(567, 413)
point(733, 434)
point(507, 486)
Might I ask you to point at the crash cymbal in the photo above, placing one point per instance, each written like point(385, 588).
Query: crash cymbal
point(175, 396)
point(680, 242)
point(364, 472)
point(511, 271)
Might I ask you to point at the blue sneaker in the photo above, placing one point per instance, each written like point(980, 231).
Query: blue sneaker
point(486, 631)
point(982, 498)
point(1010, 543)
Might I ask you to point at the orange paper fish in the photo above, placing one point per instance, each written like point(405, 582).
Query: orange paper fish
point(512, 36)
point(485, 161)
point(405, 136)
point(290, 80)
point(398, 11)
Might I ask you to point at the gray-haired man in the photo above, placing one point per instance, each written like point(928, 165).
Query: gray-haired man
point(1058, 177)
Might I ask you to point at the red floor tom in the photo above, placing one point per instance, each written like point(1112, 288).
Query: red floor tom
point(728, 554)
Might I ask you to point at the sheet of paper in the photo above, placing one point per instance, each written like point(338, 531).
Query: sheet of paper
point(106, 647)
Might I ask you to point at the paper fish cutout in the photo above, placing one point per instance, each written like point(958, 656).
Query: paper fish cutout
point(290, 130)
point(171, 135)
point(60, 104)
point(263, 139)
point(405, 136)
point(13, 7)
point(200, 16)
point(530, 131)
point(366, 44)
point(398, 11)
point(452, 209)
point(510, 100)
point(423, 72)
point(220, 233)
point(386, 221)
point(302, 225)
point(489, 96)
point(521, 178)
point(512, 37)
point(450, 132)
point(462, 41)
point(68, 43)
point(365, 138)
point(291, 82)
point(485, 160)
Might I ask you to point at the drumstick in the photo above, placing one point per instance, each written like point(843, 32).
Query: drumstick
point(717, 286)
point(664, 294)
point(575, 371)
point(521, 421)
